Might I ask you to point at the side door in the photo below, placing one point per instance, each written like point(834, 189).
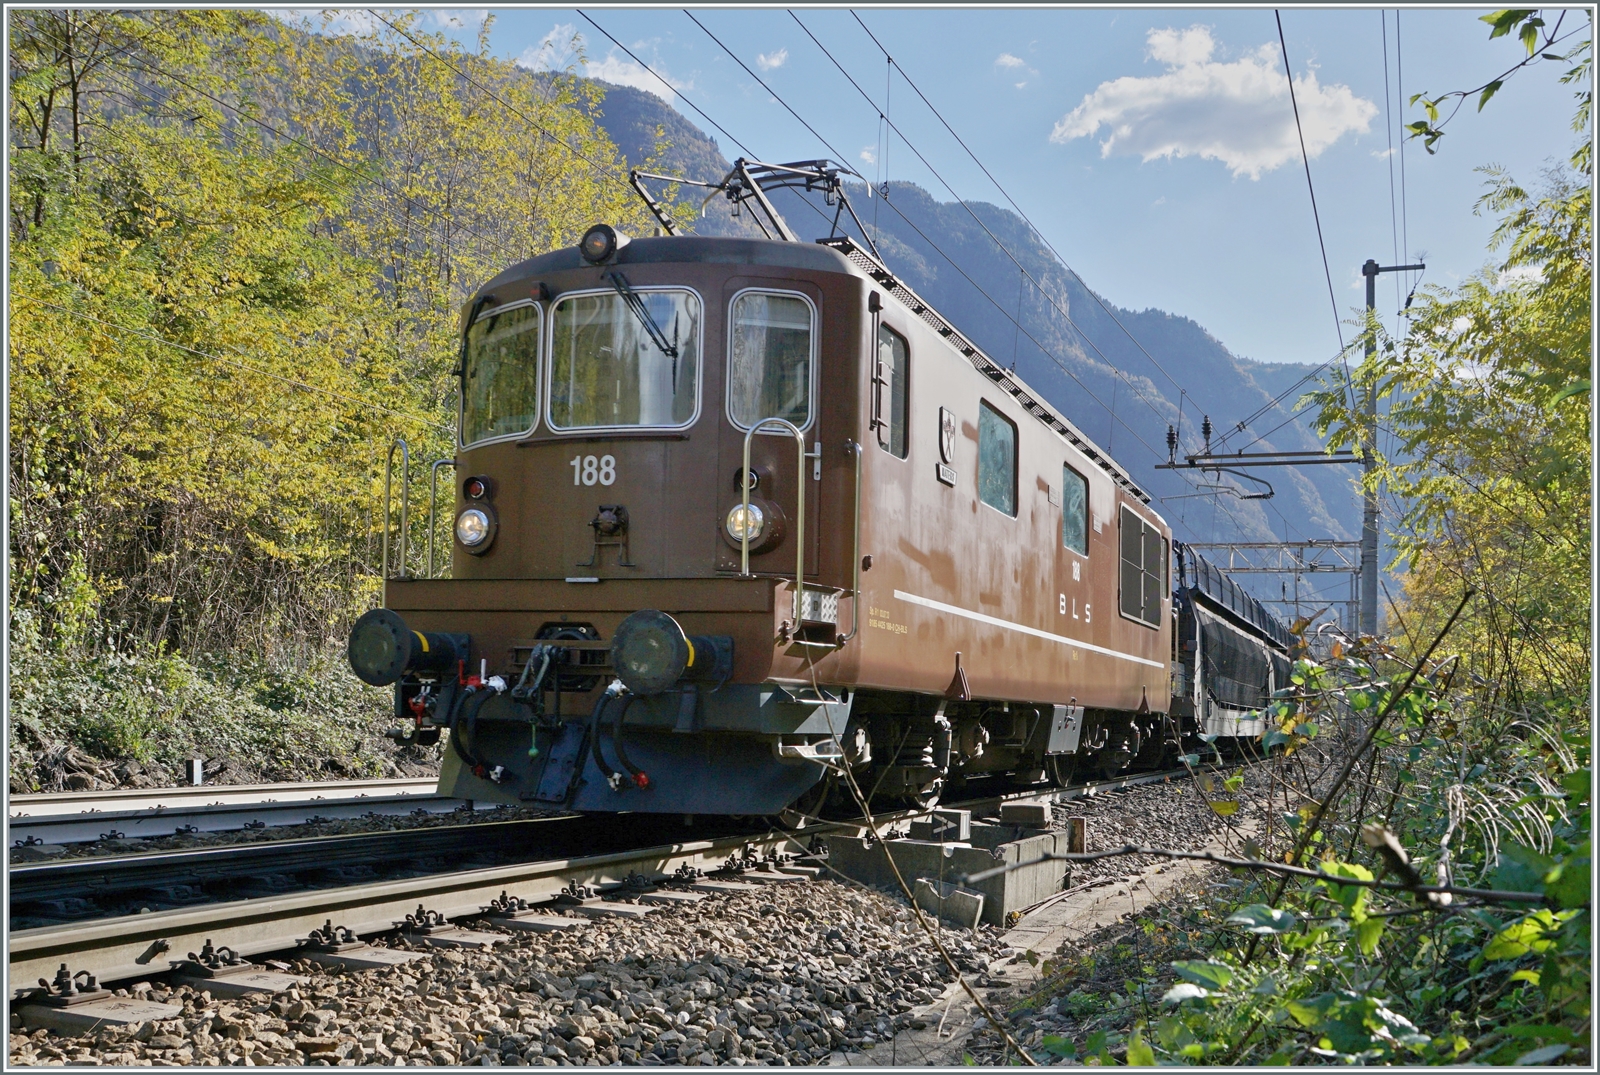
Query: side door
point(772, 357)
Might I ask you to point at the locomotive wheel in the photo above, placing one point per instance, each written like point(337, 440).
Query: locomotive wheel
point(807, 809)
point(1060, 768)
point(1115, 761)
point(927, 796)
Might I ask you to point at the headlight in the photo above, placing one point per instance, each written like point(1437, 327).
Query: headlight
point(746, 522)
point(472, 527)
point(600, 242)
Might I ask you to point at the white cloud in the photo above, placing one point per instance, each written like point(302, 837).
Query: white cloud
point(869, 154)
point(563, 48)
point(459, 18)
point(767, 61)
point(1383, 154)
point(1237, 113)
point(1520, 274)
point(556, 50)
point(1015, 65)
point(1179, 48)
point(337, 23)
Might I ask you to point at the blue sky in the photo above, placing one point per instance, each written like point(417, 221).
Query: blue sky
point(1154, 148)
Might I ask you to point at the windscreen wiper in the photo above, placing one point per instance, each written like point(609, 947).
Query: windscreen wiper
point(642, 314)
point(466, 334)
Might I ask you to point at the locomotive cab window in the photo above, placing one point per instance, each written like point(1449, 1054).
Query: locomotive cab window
point(997, 460)
point(500, 375)
point(893, 392)
point(1143, 575)
point(771, 345)
point(1074, 511)
point(616, 363)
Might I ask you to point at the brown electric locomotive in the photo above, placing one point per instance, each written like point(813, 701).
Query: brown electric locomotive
point(734, 513)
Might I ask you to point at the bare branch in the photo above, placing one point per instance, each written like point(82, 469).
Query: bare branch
point(1492, 895)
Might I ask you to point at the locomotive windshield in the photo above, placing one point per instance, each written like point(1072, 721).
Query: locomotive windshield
point(769, 373)
point(500, 384)
point(606, 370)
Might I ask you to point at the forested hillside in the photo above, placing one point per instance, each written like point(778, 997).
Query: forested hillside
point(237, 257)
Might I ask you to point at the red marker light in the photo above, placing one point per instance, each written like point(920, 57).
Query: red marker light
point(642, 780)
point(476, 489)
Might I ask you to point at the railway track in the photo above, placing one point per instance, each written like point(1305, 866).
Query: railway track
point(109, 886)
point(81, 817)
point(130, 945)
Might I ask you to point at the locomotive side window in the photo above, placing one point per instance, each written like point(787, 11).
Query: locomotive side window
point(1143, 570)
point(500, 382)
point(1074, 511)
point(894, 391)
point(771, 339)
point(616, 364)
point(997, 460)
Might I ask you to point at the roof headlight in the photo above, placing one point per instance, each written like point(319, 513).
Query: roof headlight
point(746, 522)
point(600, 242)
point(473, 527)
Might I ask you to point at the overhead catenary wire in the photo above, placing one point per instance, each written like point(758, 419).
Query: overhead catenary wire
point(1400, 95)
point(883, 118)
point(748, 152)
point(913, 226)
point(1018, 210)
point(1110, 410)
point(703, 115)
point(607, 170)
point(979, 221)
point(1388, 132)
point(1288, 74)
point(894, 208)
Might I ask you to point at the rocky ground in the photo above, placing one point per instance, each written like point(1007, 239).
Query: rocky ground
point(785, 975)
point(1178, 814)
point(1079, 1004)
point(788, 975)
point(1084, 990)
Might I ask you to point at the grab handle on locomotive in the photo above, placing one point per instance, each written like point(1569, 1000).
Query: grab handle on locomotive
point(854, 449)
point(800, 507)
point(433, 500)
point(405, 502)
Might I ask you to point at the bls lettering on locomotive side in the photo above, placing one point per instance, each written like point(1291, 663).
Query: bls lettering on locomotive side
point(733, 514)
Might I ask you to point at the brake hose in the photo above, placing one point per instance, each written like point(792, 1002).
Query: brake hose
point(473, 700)
point(634, 771)
point(613, 777)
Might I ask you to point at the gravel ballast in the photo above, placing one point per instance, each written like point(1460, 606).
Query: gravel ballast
point(786, 975)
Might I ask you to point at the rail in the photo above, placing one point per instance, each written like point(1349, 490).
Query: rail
point(82, 817)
